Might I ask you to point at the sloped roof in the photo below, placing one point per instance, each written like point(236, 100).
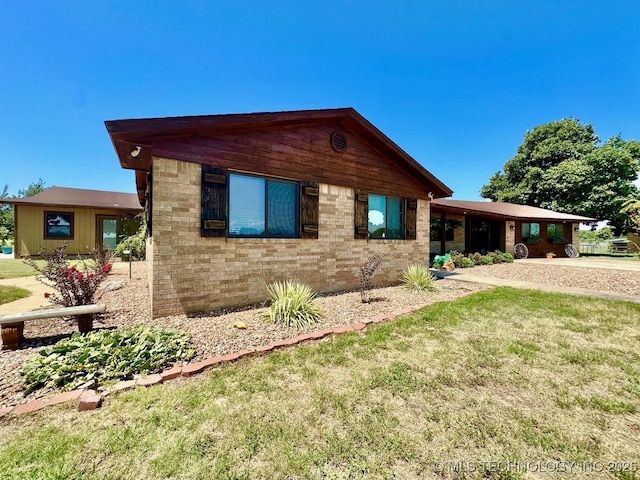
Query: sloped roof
point(128, 135)
point(78, 197)
point(504, 210)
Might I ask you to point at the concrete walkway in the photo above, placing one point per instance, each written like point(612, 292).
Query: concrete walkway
point(34, 301)
point(466, 275)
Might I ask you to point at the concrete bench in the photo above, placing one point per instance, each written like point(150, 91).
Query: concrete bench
point(13, 324)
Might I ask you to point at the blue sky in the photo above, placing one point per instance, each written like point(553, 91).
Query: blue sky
point(456, 84)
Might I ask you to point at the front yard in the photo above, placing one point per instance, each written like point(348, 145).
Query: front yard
point(499, 375)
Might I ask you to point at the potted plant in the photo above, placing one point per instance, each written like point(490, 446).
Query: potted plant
point(6, 246)
point(550, 255)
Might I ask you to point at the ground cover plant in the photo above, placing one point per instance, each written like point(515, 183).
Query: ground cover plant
point(104, 356)
point(503, 374)
point(9, 293)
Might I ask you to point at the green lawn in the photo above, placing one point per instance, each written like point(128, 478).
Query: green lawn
point(14, 268)
point(10, 293)
point(501, 375)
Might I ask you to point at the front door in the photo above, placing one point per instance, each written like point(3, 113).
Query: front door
point(483, 235)
point(107, 235)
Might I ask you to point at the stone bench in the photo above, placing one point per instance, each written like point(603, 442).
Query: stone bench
point(13, 324)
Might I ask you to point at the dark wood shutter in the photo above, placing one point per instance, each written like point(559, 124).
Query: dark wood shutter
point(362, 215)
point(411, 215)
point(214, 202)
point(309, 209)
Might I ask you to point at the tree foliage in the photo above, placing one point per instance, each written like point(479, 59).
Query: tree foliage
point(563, 166)
point(6, 211)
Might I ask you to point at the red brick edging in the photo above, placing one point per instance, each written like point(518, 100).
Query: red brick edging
point(91, 399)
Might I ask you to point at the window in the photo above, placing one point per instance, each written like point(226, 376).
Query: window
point(555, 233)
point(261, 207)
point(385, 217)
point(449, 226)
point(531, 233)
point(58, 225)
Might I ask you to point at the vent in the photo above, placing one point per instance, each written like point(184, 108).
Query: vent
point(339, 141)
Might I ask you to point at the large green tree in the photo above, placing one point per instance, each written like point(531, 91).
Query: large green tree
point(563, 166)
point(6, 211)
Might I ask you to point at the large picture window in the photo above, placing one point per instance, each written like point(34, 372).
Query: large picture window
point(385, 217)
point(58, 225)
point(531, 233)
point(262, 207)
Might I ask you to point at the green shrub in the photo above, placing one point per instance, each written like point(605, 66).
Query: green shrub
point(419, 279)
point(496, 256)
point(103, 356)
point(456, 257)
point(507, 258)
point(466, 263)
point(136, 243)
point(293, 304)
point(476, 257)
point(486, 260)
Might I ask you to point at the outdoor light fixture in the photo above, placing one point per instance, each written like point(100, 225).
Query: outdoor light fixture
point(136, 151)
point(576, 229)
point(512, 227)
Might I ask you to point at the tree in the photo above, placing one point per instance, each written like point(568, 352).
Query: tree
point(6, 211)
point(562, 166)
point(632, 208)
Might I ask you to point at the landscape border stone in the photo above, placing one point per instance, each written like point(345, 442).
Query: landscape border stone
point(91, 399)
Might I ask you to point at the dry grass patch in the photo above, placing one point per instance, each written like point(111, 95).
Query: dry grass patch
point(493, 376)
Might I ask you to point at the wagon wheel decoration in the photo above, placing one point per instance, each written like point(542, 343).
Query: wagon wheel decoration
point(571, 251)
point(520, 250)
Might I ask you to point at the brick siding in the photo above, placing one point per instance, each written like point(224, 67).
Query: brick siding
point(191, 274)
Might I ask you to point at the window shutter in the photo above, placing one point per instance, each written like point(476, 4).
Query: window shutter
point(214, 202)
point(362, 215)
point(411, 218)
point(309, 209)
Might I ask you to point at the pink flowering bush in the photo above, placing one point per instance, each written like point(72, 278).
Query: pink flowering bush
point(73, 286)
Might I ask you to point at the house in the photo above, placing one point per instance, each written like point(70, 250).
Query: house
point(235, 202)
point(475, 226)
point(82, 218)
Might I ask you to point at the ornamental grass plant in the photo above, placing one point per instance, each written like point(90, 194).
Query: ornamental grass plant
point(419, 279)
point(293, 304)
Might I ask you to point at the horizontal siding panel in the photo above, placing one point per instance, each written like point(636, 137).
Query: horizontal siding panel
point(302, 154)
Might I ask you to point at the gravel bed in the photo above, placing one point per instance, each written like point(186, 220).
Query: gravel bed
point(212, 334)
point(605, 280)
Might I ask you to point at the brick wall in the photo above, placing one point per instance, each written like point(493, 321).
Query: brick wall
point(575, 235)
point(193, 274)
point(510, 236)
